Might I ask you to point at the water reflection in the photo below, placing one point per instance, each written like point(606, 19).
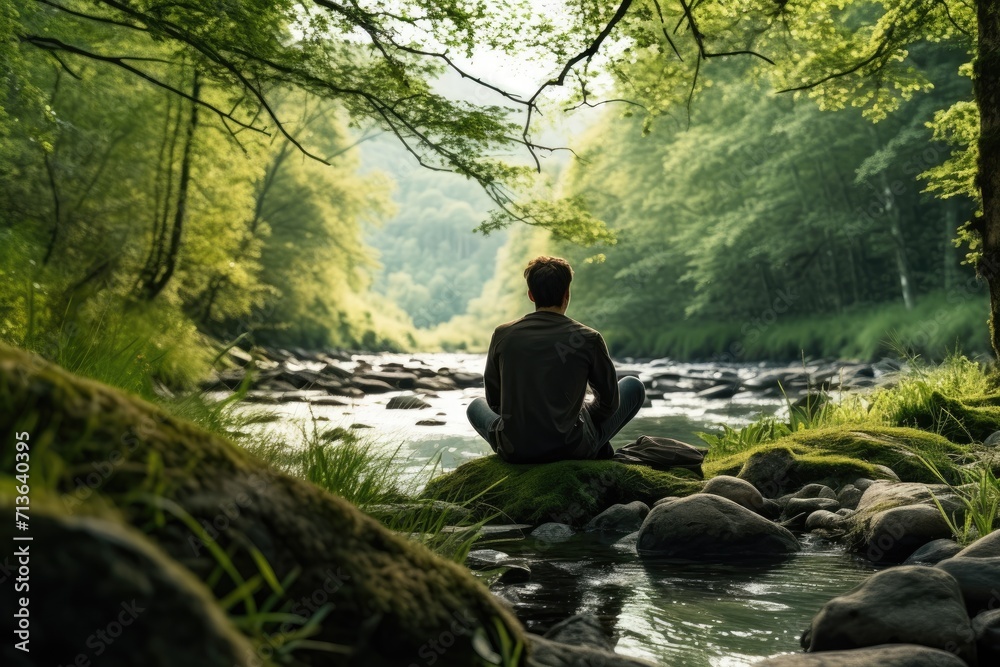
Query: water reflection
point(681, 614)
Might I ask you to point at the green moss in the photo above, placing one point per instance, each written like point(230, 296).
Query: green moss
point(838, 455)
point(567, 491)
point(93, 443)
point(965, 421)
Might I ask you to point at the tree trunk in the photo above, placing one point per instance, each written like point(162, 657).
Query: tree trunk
point(163, 276)
point(950, 228)
point(987, 87)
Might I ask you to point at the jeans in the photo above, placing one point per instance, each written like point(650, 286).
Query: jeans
point(631, 392)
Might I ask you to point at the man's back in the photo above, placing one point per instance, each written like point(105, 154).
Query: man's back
point(537, 371)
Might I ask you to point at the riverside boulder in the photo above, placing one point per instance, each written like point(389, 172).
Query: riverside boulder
point(738, 490)
point(90, 575)
point(570, 492)
point(387, 595)
point(892, 535)
point(909, 604)
point(838, 455)
point(622, 519)
point(979, 580)
point(708, 527)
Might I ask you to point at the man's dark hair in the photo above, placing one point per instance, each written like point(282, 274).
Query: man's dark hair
point(548, 279)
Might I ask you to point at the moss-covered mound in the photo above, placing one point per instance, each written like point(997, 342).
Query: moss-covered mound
point(383, 596)
point(965, 421)
point(100, 593)
point(569, 492)
point(839, 455)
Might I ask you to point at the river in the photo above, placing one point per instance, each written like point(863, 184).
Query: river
point(678, 615)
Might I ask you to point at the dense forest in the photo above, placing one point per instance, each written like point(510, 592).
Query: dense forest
point(762, 226)
point(180, 178)
point(431, 262)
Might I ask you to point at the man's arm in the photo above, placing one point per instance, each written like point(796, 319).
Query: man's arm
point(603, 381)
point(491, 376)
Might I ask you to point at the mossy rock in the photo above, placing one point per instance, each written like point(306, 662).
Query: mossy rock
point(838, 455)
point(964, 421)
point(384, 596)
point(571, 492)
point(99, 588)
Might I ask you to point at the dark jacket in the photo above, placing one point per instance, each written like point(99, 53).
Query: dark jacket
point(537, 372)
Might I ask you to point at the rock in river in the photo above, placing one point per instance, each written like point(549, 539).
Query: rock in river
point(909, 604)
point(979, 580)
point(708, 527)
point(619, 518)
point(407, 402)
point(738, 490)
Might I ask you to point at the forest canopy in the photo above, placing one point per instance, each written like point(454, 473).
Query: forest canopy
point(194, 167)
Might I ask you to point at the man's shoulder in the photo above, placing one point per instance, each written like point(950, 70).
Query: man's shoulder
point(507, 325)
point(589, 332)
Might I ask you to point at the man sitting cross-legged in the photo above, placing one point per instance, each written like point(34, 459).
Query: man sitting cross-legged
point(537, 372)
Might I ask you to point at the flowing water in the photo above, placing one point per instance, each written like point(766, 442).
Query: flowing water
point(677, 615)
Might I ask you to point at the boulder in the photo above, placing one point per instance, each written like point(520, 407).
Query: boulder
point(883, 494)
point(407, 402)
point(892, 535)
point(986, 626)
point(992, 440)
point(815, 491)
point(628, 542)
point(796, 506)
point(436, 384)
point(371, 386)
point(101, 593)
point(987, 546)
point(553, 532)
point(709, 527)
point(570, 492)
point(739, 491)
point(838, 455)
point(769, 471)
point(619, 518)
point(979, 580)
point(466, 380)
point(849, 496)
point(889, 655)
point(719, 391)
point(908, 604)
point(934, 552)
point(863, 483)
point(824, 520)
point(399, 380)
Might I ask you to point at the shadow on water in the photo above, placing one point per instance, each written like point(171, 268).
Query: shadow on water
point(691, 614)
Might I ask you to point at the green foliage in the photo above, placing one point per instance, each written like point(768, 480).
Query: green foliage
point(978, 491)
point(132, 230)
point(354, 469)
point(733, 440)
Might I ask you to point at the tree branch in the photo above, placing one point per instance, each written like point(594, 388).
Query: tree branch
point(52, 44)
